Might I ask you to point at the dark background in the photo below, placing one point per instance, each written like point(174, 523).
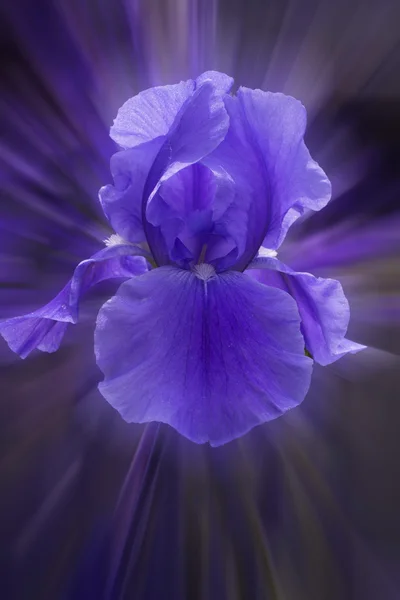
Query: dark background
point(306, 507)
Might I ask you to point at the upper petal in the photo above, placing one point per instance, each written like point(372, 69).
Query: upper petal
point(150, 114)
point(182, 123)
point(45, 327)
point(264, 151)
point(199, 128)
point(220, 81)
point(122, 202)
point(323, 308)
point(153, 112)
point(211, 355)
point(278, 123)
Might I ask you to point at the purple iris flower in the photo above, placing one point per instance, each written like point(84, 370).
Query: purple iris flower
point(210, 333)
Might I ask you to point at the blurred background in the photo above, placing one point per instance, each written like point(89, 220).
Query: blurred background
point(302, 508)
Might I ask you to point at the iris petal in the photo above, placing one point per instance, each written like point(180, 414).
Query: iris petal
point(153, 112)
point(166, 129)
point(323, 308)
point(199, 128)
point(149, 114)
point(276, 178)
point(277, 124)
point(211, 355)
point(45, 327)
point(193, 205)
point(122, 202)
point(220, 81)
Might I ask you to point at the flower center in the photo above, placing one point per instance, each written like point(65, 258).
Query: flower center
point(203, 271)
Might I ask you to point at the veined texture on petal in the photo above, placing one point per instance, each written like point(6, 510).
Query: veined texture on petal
point(149, 114)
point(323, 308)
point(220, 81)
point(45, 327)
point(153, 112)
point(211, 355)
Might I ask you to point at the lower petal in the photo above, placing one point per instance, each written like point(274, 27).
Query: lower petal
point(211, 355)
point(323, 308)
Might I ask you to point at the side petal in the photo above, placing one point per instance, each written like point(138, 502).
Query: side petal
point(323, 308)
point(211, 355)
point(45, 327)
